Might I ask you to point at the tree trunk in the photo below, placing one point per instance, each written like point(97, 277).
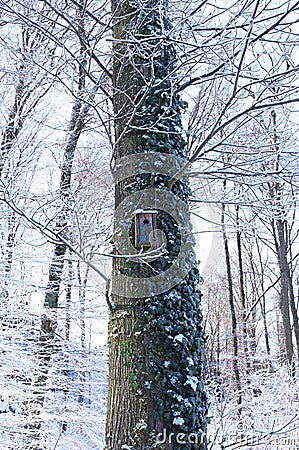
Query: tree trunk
point(281, 250)
point(242, 292)
point(56, 267)
point(82, 297)
point(232, 309)
point(9, 136)
point(38, 390)
point(156, 376)
point(279, 234)
point(46, 346)
point(263, 304)
point(76, 126)
point(289, 280)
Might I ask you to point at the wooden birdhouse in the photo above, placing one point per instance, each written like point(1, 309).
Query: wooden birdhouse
point(145, 223)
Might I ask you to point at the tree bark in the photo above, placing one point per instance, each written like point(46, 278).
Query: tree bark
point(156, 359)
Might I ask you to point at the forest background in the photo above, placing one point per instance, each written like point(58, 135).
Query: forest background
point(237, 71)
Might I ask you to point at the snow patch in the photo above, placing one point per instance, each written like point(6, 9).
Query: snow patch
point(179, 338)
point(178, 421)
point(193, 382)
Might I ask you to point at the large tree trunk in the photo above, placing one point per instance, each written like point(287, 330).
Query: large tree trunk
point(156, 341)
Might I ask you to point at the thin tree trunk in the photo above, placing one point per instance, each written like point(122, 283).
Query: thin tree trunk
point(9, 136)
point(8, 250)
point(82, 298)
point(263, 306)
point(294, 309)
point(27, 96)
point(56, 267)
point(76, 126)
point(46, 345)
point(66, 371)
point(232, 309)
point(279, 234)
point(55, 276)
point(284, 299)
point(38, 389)
point(242, 292)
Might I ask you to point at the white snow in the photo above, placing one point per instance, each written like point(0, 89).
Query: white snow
point(178, 421)
point(192, 381)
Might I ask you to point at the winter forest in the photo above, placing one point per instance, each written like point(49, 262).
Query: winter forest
point(149, 278)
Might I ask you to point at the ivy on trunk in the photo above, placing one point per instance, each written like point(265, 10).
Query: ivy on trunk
point(156, 393)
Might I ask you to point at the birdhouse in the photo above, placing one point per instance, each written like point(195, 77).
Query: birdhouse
point(145, 223)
